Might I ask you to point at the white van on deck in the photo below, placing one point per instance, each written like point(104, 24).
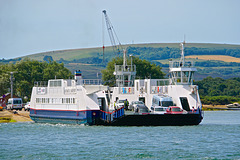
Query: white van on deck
point(160, 104)
point(15, 103)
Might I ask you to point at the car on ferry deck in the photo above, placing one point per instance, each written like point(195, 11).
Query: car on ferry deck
point(174, 110)
point(134, 104)
point(160, 103)
point(158, 110)
point(141, 110)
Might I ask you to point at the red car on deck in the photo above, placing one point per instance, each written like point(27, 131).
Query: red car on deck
point(174, 110)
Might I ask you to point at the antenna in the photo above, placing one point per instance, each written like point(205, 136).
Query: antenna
point(182, 60)
point(103, 28)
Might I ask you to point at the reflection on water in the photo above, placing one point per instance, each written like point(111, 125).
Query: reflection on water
point(217, 137)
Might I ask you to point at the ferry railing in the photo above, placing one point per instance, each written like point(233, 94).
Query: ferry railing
point(110, 116)
point(41, 84)
point(127, 68)
point(178, 79)
point(92, 81)
point(126, 90)
point(159, 89)
point(178, 64)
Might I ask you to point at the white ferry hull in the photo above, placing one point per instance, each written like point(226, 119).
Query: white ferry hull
point(67, 117)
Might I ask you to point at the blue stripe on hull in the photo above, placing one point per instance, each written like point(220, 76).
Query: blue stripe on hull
point(66, 117)
point(58, 120)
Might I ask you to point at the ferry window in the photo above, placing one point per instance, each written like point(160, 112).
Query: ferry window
point(38, 100)
point(108, 98)
point(185, 76)
point(190, 77)
point(57, 83)
point(99, 102)
point(73, 100)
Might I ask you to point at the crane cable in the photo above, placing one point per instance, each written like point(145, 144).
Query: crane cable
point(103, 35)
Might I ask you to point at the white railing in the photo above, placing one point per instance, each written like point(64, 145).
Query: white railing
point(41, 84)
point(127, 68)
point(159, 89)
point(178, 64)
point(126, 90)
point(162, 82)
point(92, 81)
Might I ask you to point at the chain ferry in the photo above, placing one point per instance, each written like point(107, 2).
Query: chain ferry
point(85, 101)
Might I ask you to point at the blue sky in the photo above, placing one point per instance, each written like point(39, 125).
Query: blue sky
point(34, 26)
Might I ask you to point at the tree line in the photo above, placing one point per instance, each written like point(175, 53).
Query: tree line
point(219, 91)
point(150, 53)
point(26, 72)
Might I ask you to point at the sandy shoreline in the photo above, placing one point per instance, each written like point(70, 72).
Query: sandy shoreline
point(214, 107)
point(19, 116)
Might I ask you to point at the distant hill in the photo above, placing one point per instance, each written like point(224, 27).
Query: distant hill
point(90, 60)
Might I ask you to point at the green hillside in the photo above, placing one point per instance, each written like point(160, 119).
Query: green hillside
point(90, 60)
point(72, 54)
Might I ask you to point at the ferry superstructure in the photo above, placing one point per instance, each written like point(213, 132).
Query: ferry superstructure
point(179, 86)
point(68, 101)
point(89, 102)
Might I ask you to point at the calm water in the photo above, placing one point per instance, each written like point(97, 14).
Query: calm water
point(217, 137)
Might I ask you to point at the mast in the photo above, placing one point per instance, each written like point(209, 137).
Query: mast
point(181, 71)
point(182, 60)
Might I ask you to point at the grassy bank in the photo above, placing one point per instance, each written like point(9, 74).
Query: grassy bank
point(6, 120)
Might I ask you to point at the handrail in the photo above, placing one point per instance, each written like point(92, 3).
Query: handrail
point(41, 84)
point(92, 81)
point(109, 116)
point(178, 64)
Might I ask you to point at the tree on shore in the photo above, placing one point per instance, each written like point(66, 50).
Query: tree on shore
point(26, 72)
point(219, 91)
point(144, 69)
